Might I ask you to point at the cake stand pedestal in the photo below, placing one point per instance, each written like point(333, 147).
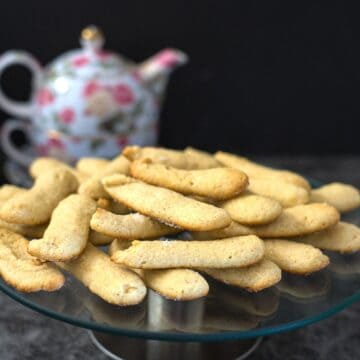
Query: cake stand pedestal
point(125, 348)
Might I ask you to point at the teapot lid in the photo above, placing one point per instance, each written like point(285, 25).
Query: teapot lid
point(90, 61)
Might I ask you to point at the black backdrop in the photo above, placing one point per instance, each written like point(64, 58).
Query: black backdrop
point(264, 76)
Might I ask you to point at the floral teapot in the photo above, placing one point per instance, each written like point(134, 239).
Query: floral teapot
point(87, 102)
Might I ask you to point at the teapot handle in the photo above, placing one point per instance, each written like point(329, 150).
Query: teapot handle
point(20, 108)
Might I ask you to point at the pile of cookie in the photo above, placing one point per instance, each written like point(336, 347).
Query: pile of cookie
point(170, 217)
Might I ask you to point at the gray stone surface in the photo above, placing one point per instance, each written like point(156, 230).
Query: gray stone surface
point(25, 334)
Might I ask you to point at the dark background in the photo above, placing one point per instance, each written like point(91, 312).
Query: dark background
point(264, 76)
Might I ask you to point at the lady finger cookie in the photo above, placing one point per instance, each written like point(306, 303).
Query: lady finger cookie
point(250, 209)
point(99, 239)
point(129, 227)
point(90, 166)
point(217, 183)
point(161, 254)
point(106, 279)
point(113, 206)
point(300, 220)
point(34, 207)
point(252, 278)
point(29, 231)
point(93, 187)
point(286, 194)
point(68, 231)
point(175, 284)
point(254, 170)
point(8, 191)
point(23, 271)
point(203, 159)
point(234, 229)
point(342, 196)
point(166, 206)
point(175, 158)
point(43, 164)
point(342, 237)
point(296, 258)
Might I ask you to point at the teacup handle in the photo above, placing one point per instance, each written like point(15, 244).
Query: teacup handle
point(8, 147)
point(20, 108)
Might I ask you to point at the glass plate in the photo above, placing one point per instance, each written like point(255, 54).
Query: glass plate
point(227, 313)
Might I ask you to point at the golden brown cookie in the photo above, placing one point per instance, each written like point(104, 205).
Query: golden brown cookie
point(174, 284)
point(68, 231)
point(285, 193)
point(161, 254)
point(106, 279)
point(216, 183)
point(8, 191)
point(129, 226)
point(175, 158)
point(43, 164)
point(91, 165)
point(99, 239)
point(250, 209)
point(299, 220)
point(29, 231)
point(93, 187)
point(113, 206)
point(254, 170)
point(294, 257)
point(234, 229)
point(253, 278)
point(342, 196)
point(342, 237)
point(203, 159)
point(23, 271)
point(35, 206)
point(164, 205)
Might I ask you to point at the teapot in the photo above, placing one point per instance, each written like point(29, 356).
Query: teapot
point(87, 102)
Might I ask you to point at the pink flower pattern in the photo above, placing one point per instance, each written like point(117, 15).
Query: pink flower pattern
point(51, 144)
point(80, 61)
point(103, 54)
point(67, 115)
point(90, 88)
point(122, 94)
point(44, 97)
point(55, 142)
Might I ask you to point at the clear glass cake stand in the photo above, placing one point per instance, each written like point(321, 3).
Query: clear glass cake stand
point(228, 324)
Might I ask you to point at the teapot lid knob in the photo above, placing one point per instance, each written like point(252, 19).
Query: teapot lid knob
point(92, 38)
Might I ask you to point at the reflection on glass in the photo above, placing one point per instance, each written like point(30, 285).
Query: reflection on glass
point(263, 303)
point(174, 315)
point(304, 288)
point(342, 264)
point(102, 312)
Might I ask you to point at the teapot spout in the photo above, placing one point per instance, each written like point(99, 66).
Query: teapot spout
point(164, 62)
